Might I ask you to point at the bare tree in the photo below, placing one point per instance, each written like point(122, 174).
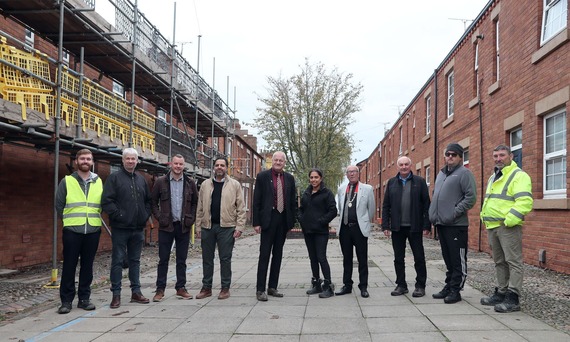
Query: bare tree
point(307, 116)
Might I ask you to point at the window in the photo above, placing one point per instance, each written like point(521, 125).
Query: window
point(118, 89)
point(247, 162)
point(476, 71)
point(555, 155)
point(554, 17)
point(29, 39)
point(497, 59)
point(466, 157)
point(246, 195)
point(450, 94)
point(401, 142)
point(161, 114)
point(516, 146)
point(428, 175)
point(254, 165)
point(385, 155)
point(428, 115)
point(65, 57)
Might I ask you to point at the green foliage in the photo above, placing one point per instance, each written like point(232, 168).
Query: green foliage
point(307, 116)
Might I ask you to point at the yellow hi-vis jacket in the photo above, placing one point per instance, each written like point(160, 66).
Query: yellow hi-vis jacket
point(78, 209)
point(508, 199)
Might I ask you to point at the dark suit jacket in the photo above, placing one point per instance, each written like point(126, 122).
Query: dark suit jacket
point(263, 199)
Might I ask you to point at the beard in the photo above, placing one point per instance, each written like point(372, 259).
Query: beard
point(84, 167)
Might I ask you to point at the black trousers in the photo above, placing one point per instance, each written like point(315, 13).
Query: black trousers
point(453, 241)
point(272, 241)
point(416, 244)
point(317, 248)
point(77, 248)
point(165, 240)
point(352, 236)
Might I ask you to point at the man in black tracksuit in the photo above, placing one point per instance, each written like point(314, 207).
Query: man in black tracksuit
point(454, 194)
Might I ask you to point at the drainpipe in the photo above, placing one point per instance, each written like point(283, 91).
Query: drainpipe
point(435, 142)
point(482, 160)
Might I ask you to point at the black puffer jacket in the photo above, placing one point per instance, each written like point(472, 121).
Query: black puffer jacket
point(317, 210)
point(126, 199)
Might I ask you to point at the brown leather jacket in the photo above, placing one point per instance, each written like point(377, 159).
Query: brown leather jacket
point(161, 203)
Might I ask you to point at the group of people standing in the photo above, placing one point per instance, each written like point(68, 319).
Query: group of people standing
point(218, 212)
point(408, 213)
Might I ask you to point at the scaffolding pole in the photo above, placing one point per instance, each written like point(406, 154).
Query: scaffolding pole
point(57, 118)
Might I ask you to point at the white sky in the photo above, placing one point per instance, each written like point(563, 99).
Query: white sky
point(391, 47)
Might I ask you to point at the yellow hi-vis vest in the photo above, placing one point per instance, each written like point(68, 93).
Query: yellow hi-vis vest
point(78, 209)
point(508, 199)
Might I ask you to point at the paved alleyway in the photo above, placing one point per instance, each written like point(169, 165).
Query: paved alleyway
point(296, 317)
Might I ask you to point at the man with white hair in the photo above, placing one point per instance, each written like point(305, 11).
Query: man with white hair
point(126, 199)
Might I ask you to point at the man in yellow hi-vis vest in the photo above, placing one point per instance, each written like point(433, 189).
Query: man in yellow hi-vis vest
point(78, 203)
point(507, 200)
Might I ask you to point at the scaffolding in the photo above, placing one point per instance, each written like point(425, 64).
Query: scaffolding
point(73, 112)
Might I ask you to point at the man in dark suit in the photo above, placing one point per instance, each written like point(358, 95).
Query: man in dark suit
point(274, 212)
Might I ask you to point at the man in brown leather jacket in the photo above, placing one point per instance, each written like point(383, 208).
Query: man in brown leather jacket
point(174, 200)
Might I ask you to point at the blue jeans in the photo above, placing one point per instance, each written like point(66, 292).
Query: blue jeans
point(224, 238)
point(126, 242)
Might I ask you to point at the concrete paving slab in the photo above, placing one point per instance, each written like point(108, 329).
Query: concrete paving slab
point(441, 308)
point(148, 325)
point(264, 338)
point(215, 312)
point(406, 337)
point(66, 336)
point(169, 311)
point(467, 322)
point(204, 325)
point(93, 324)
point(487, 336)
point(277, 325)
point(541, 336)
point(129, 337)
point(354, 337)
point(399, 324)
point(213, 337)
point(336, 311)
point(333, 325)
point(371, 311)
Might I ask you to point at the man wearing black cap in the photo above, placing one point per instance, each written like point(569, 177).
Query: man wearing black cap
point(454, 194)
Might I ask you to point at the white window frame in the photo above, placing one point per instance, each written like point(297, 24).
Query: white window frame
point(428, 175)
point(247, 162)
point(465, 156)
point(428, 115)
point(29, 38)
point(401, 141)
point(513, 146)
point(245, 187)
point(561, 192)
point(118, 89)
point(65, 57)
point(554, 19)
point(161, 114)
point(497, 50)
point(450, 93)
point(476, 68)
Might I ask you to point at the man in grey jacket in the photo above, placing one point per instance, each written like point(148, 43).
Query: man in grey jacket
point(454, 194)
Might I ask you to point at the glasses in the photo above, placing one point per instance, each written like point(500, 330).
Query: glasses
point(352, 171)
point(451, 154)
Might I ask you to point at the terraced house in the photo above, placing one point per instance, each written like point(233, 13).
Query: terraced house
point(71, 80)
point(506, 81)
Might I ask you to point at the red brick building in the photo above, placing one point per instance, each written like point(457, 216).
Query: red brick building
point(124, 92)
point(506, 81)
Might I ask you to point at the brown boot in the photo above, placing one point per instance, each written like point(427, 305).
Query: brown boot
point(204, 292)
point(183, 294)
point(139, 298)
point(158, 296)
point(224, 294)
point(115, 302)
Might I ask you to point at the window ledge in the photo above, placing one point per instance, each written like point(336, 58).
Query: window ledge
point(448, 121)
point(550, 46)
point(426, 138)
point(494, 87)
point(473, 103)
point(554, 203)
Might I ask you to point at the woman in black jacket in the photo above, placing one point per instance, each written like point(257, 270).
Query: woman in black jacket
point(318, 208)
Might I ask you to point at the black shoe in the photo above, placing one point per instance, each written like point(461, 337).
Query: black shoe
point(496, 298)
point(344, 290)
point(510, 304)
point(364, 293)
point(327, 289)
point(261, 296)
point(274, 293)
point(85, 304)
point(398, 291)
point(452, 297)
point(441, 294)
point(316, 286)
point(419, 292)
point(65, 308)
